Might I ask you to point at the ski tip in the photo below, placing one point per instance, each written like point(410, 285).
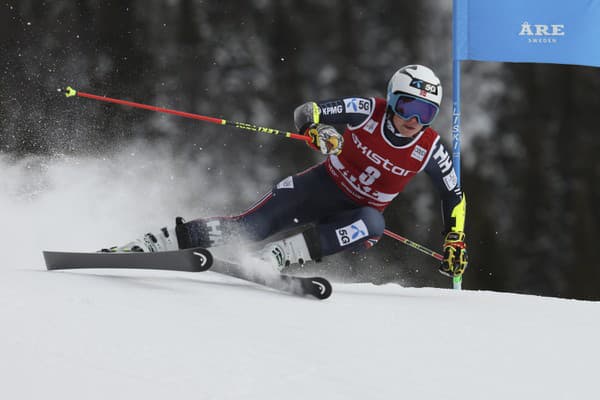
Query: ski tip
point(320, 288)
point(203, 259)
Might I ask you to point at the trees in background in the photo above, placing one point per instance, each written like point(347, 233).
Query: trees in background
point(529, 168)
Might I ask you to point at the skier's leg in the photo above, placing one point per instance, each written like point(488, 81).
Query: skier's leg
point(266, 216)
point(351, 230)
point(270, 214)
point(254, 224)
point(348, 230)
point(295, 202)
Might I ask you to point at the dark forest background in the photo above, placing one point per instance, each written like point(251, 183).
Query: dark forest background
point(530, 136)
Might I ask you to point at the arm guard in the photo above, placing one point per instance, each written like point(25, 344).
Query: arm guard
point(458, 215)
point(306, 115)
point(454, 202)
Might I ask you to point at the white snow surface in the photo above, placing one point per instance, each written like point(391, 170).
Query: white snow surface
point(157, 335)
point(106, 334)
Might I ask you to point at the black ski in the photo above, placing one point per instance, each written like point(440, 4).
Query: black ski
point(189, 260)
point(315, 286)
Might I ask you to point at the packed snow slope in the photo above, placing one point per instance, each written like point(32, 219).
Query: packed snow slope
point(108, 334)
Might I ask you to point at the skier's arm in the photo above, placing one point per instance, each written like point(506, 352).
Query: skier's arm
point(441, 171)
point(313, 119)
point(351, 111)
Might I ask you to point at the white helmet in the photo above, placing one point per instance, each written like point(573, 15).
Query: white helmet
point(415, 91)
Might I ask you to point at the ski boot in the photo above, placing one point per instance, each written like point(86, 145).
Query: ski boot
point(288, 251)
point(165, 240)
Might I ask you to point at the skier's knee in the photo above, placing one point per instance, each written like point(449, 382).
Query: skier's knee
point(364, 230)
point(373, 220)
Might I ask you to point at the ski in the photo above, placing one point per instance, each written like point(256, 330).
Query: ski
point(188, 260)
point(317, 287)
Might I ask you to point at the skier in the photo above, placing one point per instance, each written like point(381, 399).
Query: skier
point(337, 205)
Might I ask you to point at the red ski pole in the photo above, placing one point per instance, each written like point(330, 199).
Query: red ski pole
point(414, 245)
point(456, 281)
point(70, 92)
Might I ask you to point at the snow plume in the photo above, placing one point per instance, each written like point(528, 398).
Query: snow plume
point(251, 258)
point(77, 203)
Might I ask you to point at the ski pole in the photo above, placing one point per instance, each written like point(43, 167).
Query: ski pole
point(456, 281)
point(70, 92)
point(414, 245)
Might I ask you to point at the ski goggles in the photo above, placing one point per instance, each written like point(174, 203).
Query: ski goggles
point(407, 107)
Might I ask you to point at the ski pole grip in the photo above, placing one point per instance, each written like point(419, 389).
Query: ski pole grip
point(70, 92)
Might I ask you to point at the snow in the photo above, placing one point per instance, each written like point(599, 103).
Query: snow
point(107, 334)
point(154, 335)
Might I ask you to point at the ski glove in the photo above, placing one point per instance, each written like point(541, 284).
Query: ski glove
point(455, 255)
point(325, 138)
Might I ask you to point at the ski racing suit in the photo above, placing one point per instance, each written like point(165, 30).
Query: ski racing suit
point(338, 204)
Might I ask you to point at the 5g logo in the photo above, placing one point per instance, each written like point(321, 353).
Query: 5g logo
point(343, 237)
point(426, 86)
point(355, 105)
point(352, 233)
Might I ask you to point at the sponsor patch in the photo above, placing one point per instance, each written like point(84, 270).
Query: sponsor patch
point(451, 180)
point(215, 235)
point(419, 153)
point(329, 110)
point(287, 183)
point(370, 126)
point(426, 87)
point(443, 159)
point(355, 105)
point(378, 159)
point(351, 233)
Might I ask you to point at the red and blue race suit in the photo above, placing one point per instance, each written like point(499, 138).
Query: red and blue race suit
point(343, 198)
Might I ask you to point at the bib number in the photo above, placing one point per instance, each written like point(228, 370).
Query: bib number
point(368, 177)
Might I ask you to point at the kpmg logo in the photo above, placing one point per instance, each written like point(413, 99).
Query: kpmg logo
point(540, 33)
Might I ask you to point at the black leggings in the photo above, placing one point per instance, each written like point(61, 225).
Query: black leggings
point(310, 198)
